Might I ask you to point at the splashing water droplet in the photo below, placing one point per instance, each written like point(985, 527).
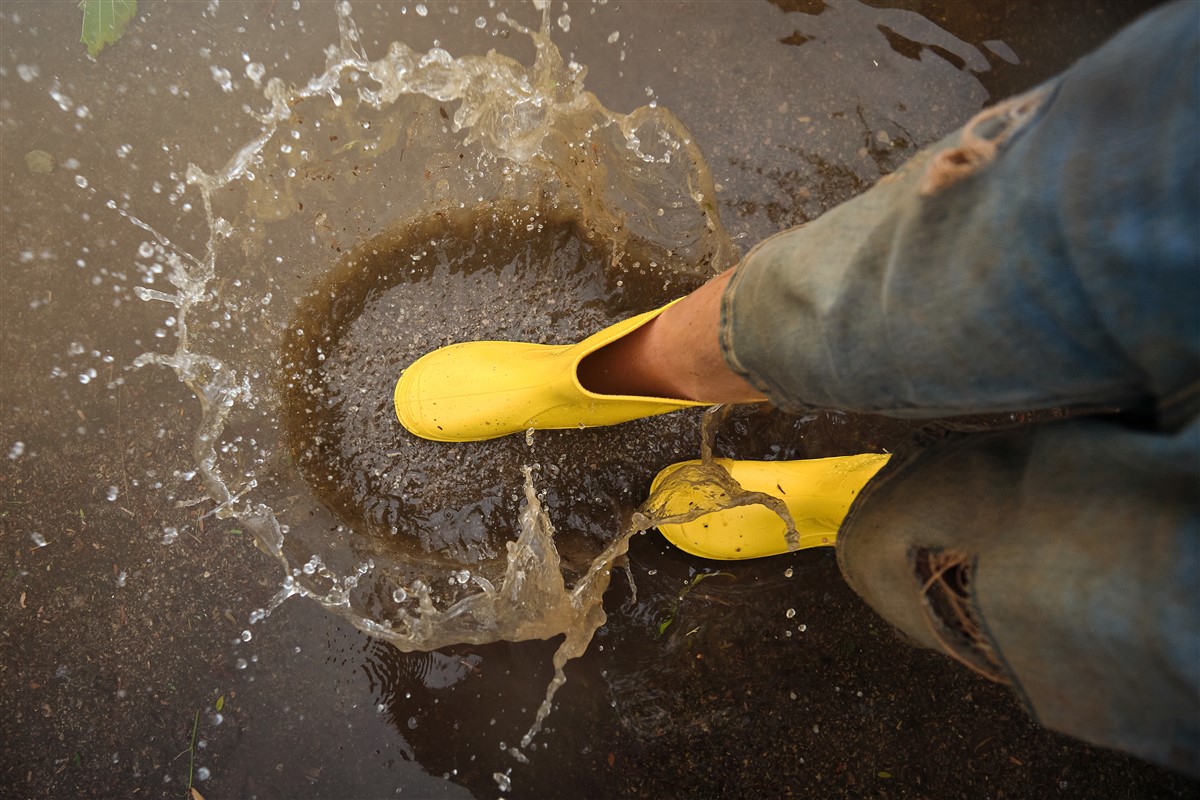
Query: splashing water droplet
point(558, 113)
point(255, 72)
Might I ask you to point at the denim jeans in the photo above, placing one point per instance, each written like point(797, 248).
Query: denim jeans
point(1047, 255)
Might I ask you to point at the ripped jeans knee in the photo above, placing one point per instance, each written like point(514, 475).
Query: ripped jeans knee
point(1059, 558)
point(951, 615)
point(980, 140)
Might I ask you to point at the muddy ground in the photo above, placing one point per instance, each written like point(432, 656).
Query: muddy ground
point(122, 664)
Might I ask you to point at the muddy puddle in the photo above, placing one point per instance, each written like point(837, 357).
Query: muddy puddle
point(484, 274)
point(531, 211)
point(228, 233)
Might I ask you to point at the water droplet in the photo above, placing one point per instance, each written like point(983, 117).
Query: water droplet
point(121, 577)
point(791, 612)
point(202, 774)
point(145, 250)
point(399, 595)
point(16, 451)
point(802, 628)
point(480, 23)
point(112, 494)
point(255, 72)
point(787, 573)
point(81, 181)
point(246, 636)
point(169, 535)
point(38, 539)
point(421, 10)
point(223, 78)
point(240, 663)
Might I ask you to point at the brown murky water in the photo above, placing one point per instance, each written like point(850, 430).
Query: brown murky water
point(390, 302)
point(691, 688)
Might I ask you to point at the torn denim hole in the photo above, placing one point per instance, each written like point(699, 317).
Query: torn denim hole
point(945, 579)
point(980, 140)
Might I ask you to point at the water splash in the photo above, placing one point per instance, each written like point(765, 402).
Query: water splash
point(707, 487)
point(363, 147)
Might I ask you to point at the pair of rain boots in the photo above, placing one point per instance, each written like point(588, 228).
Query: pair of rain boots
point(483, 390)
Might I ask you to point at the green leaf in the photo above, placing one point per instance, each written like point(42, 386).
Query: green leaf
point(220, 702)
point(104, 21)
point(662, 626)
point(884, 774)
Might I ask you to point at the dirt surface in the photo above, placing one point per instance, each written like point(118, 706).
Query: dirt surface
point(124, 665)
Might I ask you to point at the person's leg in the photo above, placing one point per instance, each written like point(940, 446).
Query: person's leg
point(1046, 255)
point(1063, 559)
point(677, 354)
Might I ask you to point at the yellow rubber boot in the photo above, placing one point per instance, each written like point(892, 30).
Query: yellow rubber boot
point(817, 492)
point(483, 390)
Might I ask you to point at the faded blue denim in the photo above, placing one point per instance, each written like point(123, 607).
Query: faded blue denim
point(1047, 255)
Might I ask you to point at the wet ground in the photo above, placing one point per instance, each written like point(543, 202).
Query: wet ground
point(123, 662)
